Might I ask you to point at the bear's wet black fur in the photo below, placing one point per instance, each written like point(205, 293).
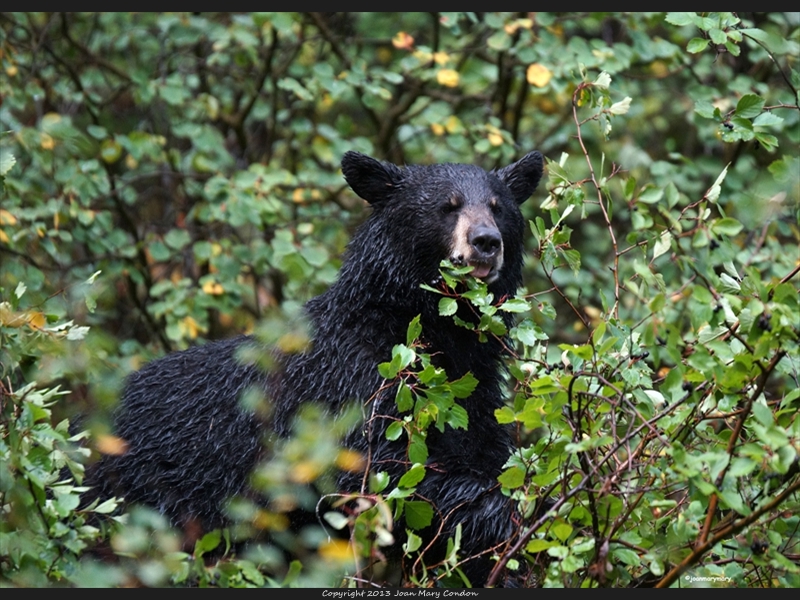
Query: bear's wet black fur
point(190, 445)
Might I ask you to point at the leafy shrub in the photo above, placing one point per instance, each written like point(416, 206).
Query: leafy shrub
point(168, 178)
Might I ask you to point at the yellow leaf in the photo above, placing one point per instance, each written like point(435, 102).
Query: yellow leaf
point(453, 124)
point(11, 70)
point(337, 550)
point(437, 129)
point(403, 41)
point(6, 218)
point(495, 139)
point(9, 318)
point(305, 472)
point(593, 312)
point(4, 237)
point(111, 444)
point(441, 58)
point(190, 327)
point(384, 55)
point(298, 195)
point(269, 520)
point(659, 68)
point(50, 119)
point(447, 77)
point(538, 75)
point(110, 151)
point(212, 288)
point(293, 343)
point(36, 319)
point(422, 56)
point(350, 460)
point(46, 141)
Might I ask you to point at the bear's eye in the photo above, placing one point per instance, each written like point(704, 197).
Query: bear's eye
point(494, 205)
point(452, 205)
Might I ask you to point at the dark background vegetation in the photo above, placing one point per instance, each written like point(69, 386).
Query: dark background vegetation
point(174, 178)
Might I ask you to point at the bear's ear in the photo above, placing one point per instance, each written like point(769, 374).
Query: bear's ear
point(371, 179)
point(523, 176)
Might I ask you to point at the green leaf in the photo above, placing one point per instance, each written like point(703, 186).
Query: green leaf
point(457, 417)
point(785, 169)
point(418, 514)
point(733, 48)
point(448, 306)
point(651, 195)
point(717, 35)
point(749, 106)
point(414, 330)
point(515, 305)
point(463, 387)
point(159, 251)
point(603, 80)
point(177, 238)
point(704, 109)
point(767, 119)
point(500, 40)
point(335, 519)
point(733, 500)
point(621, 107)
point(562, 530)
point(511, 478)
point(107, 507)
point(504, 415)
point(413, 542)
point(626, 556)
point(405, 398)
point(537, 545)
point(208, 542)
point(7, 161)
point(713, 192)
point(663, 244)
point(696, 45)
point(388, 370)
point(412, 477)
point(531, 415)
point(763, 413)
point(680, 18)
point(378, 482)
point(726, 226)
point(96, 132)
point(418, 449)
point(768, 141)
point(394, 431)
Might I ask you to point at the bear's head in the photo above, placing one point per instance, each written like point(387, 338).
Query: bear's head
point(461, 212)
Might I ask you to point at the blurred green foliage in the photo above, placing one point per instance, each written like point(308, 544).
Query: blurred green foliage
point(173, 177)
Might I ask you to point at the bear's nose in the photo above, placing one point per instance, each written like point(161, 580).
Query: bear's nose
point(486, 240)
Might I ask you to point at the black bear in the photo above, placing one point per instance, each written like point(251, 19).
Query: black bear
point(191, 445)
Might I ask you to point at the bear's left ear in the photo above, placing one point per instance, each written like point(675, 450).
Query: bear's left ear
point(371, 179)
point(523, 176)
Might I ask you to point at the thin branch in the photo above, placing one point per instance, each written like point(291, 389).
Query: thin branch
point(615, 269)
point(727, 532)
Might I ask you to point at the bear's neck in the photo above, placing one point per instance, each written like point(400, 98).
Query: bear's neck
point(349, 329)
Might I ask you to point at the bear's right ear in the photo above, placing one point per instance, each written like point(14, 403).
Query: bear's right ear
point(523, 176)
point(371, 179)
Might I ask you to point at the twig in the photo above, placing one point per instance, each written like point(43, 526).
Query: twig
point(728, 531)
